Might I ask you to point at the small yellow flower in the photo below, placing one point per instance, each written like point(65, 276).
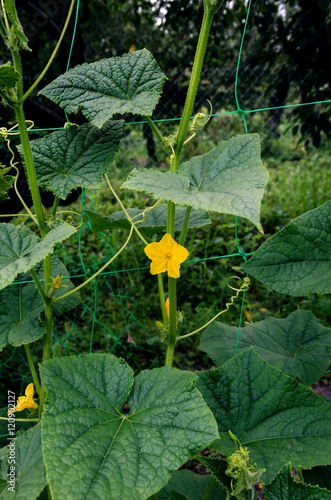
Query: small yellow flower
point(57, 282)
point(166, 255)
point(26, 401)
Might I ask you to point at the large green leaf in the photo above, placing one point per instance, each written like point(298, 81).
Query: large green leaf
point(229, 179)
point(297, 259)
point(128, 84)
point(155, 221)
point(295, 345)
point(21, 305)
point(8, 75)
point(191, 486)
point(275, 417)
point(93, 451)
point(75, 156)
point(285, 487)
point(21, 249)
point(29, 467)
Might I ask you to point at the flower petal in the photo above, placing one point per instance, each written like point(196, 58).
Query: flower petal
point(180, 253)
point(173, 268)
point(29, 391)
point(154, 251)
point(159, 266)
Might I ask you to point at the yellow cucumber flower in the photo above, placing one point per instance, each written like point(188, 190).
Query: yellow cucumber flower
point(26, 401)
point(166, 255)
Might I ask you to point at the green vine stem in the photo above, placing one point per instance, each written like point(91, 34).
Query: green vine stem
point(209, 11)
point(39, 286)
point(32, 177)
point(154, 128)
point(32, 369)
point(172, 321)
point(185, 226)
point(42, 74)
point(208, 14)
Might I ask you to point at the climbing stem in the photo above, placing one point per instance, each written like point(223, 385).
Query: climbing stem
point(185, 226)
point(172, 321)
point(154, 128)
point(18, 68)
point(194, 82)
point(39, 286)
point(55, 205)
point(32, 369)
point(30, 169)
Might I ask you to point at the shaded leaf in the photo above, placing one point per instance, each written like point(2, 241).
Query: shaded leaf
point(6, 182)
point(8, 75)
point(75, 157)
point(128, 84)
point(295, 345)
point(135, 453)
point(275, 417)
point(318, 476)
point(217, 466)
point(21, 306)
point(155, 220)
point(297, 259)
point(229, 179)
point(21, 249)
point(191, 486)
point(29, 466)
point(285, 487)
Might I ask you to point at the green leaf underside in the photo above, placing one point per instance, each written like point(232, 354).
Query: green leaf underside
point(29, 466)
point(93, 451)
point(155, 220)
point(21, 249)
point(285, 487)
point(8, 75)
point(21, 306)
point(295, 345)
point(75, 157)
point(318, 476)
point(297, 259)
point(191, 486)
point(128, 84)
point(229, 179)
point(275, 417)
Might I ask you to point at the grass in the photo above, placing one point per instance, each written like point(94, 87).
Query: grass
point(119, 310)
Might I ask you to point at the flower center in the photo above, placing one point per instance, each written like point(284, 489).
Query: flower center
point(169, 255)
